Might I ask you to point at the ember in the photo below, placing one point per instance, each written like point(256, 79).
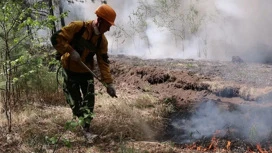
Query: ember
point(213, 127)
point(260, 149)
point(228, 145)
point(213, 144)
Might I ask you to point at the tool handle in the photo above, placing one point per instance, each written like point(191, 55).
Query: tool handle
point(89, 70)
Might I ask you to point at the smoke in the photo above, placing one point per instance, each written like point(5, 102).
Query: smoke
point(244, 31)
point(207, 29)
point(79, 10)
point(210, 29)
point(245, 122)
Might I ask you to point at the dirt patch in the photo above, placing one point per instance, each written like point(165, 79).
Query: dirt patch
point(218, 107)
point(190, 83)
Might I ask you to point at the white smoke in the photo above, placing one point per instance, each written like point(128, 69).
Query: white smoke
point(248, 123)
point(79, 10)
point(210, 29)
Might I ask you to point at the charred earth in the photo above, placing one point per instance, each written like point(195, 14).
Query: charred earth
point(218, 104)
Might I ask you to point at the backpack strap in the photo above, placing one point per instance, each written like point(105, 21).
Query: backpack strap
point(79, 43)
point(75, 43)
point(99, 42)
point(80, 32)
point(94, 49)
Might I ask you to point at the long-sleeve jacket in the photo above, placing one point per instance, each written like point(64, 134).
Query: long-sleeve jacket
point(63, 45)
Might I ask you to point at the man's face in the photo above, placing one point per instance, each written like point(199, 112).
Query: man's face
point(103, 25)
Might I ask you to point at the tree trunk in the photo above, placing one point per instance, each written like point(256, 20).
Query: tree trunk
point(62, 20)
point(54, 29)
point(8, 73)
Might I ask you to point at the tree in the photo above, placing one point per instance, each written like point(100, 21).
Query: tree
point(19, 22)
point(50, 4)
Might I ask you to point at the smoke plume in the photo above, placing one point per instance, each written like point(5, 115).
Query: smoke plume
point(210, 29)
point(207, 29)
point(248, 123)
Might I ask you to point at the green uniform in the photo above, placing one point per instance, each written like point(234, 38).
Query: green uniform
point(78, 82)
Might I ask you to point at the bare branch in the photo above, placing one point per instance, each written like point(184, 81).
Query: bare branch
point(13, 47)
point(41, 12)
point(13, 23)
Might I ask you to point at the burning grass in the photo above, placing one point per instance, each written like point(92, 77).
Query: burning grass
point(213, 127)
point(135, 121)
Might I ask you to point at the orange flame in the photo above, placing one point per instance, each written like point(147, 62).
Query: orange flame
point(228, 145)
point(249, 150)
point(260, 149)
point(213, 144)
point(199, 148)
point(192, 146)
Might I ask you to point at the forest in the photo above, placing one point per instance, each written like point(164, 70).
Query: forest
point(189, 75)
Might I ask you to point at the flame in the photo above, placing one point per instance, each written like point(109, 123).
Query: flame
point(213, 144)
point(214, 141)
point(261, 150)
point(192, 146)
point(249, 150)
point(228, 145)
point(199, 148)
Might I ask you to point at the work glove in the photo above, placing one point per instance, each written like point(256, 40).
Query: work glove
point(111, 90)
point(74, 56)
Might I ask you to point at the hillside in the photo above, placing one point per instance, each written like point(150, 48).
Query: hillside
point(163, 106)
point(229, 101)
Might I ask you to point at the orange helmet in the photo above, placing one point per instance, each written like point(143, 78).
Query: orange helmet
point(106, 12)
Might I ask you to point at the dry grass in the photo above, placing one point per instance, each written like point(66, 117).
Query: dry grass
point(253, 93)
point(246, 92)
point(32, 124)
point(128, 117)
point(216, 86)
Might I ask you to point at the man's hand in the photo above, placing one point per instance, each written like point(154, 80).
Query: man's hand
point(111, 90)
point(74, 56)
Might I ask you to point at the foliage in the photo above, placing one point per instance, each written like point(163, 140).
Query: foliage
point(69, 126)
point(22, 51)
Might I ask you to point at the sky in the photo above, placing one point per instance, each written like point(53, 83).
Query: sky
point(195, 29)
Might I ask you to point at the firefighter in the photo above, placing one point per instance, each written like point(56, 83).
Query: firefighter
point(79, 42)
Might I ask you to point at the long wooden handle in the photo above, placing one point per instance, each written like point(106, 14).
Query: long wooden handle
point(89, 70)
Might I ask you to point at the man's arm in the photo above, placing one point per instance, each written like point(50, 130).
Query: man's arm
point(61, 39)
point(103, 61)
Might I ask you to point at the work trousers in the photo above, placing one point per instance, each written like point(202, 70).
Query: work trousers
point(79, 92)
